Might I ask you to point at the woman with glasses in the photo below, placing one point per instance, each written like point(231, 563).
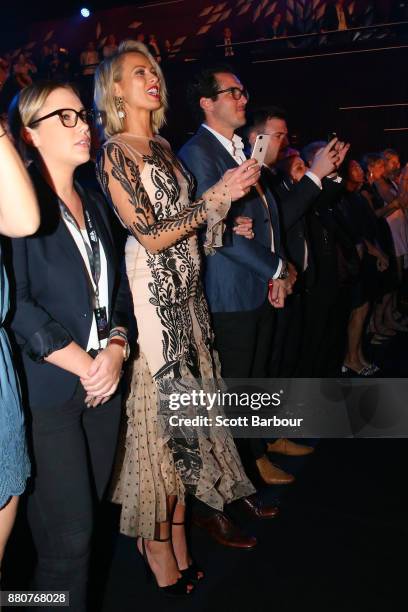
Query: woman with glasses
point(70, 324)
point(19, 216)
point(152, 194)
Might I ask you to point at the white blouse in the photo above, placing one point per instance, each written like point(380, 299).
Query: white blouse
point(79, 237)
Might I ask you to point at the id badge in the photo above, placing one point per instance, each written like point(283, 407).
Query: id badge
point(101, 323)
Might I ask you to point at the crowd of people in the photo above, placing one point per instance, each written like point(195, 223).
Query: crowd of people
point(232, 270)
point(54, 61)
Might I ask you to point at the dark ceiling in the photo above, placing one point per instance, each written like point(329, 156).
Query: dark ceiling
point(14, 14)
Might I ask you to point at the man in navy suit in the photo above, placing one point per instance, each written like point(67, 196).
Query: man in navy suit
point(236, 278)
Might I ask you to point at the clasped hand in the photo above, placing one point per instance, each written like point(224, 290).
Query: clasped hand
point(102, 378)
point(281, 288)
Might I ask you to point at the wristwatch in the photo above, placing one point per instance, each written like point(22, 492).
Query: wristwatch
point(124, 344)
point(284, 273)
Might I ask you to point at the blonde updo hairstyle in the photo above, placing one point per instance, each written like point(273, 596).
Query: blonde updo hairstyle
point(108, 73)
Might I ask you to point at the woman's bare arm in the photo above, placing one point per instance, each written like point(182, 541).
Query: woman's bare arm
point(19, 213)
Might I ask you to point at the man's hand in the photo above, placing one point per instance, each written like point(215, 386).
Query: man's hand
point(342, 150)
point(277, 293)
point(103, 376)
point(382, 263)
point(328, 159)
point(243, 227)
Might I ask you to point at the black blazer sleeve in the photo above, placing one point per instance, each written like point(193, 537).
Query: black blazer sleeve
point(37, 333)
point(295, 203)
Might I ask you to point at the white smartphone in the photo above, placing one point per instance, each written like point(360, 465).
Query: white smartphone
point(260, 148)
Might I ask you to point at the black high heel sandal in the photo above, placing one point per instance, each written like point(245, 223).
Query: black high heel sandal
point(178, 589)
point(191, 572)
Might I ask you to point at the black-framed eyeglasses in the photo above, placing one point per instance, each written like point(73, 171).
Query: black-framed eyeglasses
point(235, 92)
point(69, 117)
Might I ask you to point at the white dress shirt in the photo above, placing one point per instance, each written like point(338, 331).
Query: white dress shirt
point(79, 237)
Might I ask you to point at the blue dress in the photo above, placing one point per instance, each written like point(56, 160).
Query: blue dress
point(14, 462)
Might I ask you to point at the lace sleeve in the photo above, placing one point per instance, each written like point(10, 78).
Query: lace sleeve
point(119, 175)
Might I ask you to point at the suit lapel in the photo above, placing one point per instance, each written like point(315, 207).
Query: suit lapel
point(219, 151)
point(52, 222)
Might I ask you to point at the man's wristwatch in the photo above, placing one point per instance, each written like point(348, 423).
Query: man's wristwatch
point(124, 344)
point(284, 273)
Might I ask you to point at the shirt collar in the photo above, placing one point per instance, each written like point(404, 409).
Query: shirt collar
point(233, 146)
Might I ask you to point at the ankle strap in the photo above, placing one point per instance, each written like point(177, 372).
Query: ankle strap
point(178, 523)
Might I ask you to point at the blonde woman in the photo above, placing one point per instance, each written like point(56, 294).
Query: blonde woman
point(152, 194)
point(19, 216)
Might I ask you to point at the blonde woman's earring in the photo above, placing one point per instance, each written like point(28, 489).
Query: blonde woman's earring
point(120, 107)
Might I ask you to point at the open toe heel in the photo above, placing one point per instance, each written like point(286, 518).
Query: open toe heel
point(178, 589)
point(193, 571)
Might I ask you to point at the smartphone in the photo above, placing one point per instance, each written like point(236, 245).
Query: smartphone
point(331, 135)
point(260, 148)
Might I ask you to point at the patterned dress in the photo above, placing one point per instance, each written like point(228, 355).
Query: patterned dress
point(152, 194)
point(14, 462)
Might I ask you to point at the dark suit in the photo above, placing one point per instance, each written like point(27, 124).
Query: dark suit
point(326, 304)
point(73, 446)
point(236, 277)
point(294, 201)
point(239, 262)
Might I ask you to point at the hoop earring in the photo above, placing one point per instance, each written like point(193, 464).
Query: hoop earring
point(120, 107)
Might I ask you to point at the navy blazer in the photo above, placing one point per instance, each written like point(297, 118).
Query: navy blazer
point(53, 303)
point(236, 277)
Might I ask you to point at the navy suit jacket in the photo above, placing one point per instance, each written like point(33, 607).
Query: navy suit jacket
point(53, 296)
point(236, 277)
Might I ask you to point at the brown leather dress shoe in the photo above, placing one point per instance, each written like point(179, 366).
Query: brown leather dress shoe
point(283, 446)
point(255, 509)
point(272, 474)
point(223, 530)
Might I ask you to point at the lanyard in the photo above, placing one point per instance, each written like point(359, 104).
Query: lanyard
point(93, 252)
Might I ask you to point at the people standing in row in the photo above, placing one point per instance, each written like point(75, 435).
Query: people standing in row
point(243, 321)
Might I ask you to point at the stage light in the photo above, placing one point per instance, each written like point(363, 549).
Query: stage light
point(85, 12)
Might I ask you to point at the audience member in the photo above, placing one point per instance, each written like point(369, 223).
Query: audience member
point(44, 62)
point(89, 60)
point(70, 320)
point(19, 216)
point(174, 333)
point(228, 48)
point(23, 71)
point(243, 321)
point(154, 48)
point(110, 47)
point(363, 225)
